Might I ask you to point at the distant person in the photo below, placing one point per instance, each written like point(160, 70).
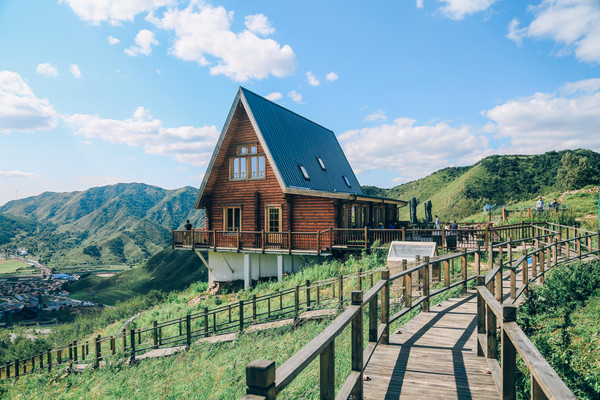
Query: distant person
point(540, 204)
point(391, 226)
point(380, 226)
point(188, 225)
point(437, 222)
point(554, 204)
point(454, 225)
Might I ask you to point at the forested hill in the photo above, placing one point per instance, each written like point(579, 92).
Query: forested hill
point(124, 223)
point(457, 192)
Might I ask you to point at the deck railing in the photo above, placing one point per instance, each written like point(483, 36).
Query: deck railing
point(264, 381)
point(327, 240)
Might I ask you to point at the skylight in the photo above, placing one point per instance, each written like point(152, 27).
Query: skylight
point(346, 180)
point(304, 173)
point(321, 163)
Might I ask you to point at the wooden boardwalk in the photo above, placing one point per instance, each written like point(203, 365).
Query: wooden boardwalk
point(433, 356)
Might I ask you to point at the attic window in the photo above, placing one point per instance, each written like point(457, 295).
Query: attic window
point(321, 164)
point(304, 173)
point(346, 180)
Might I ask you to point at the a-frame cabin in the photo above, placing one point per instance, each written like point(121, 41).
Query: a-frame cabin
point(276, 187)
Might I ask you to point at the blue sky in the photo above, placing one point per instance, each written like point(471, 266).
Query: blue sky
point(100, 92)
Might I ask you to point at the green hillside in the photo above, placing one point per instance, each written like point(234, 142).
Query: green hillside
point(120, 224)
point(166, 271)
point(458, 192)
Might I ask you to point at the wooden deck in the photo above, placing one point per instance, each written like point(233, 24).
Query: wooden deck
point(433, 356)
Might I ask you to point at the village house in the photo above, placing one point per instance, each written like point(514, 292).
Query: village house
point(278, 192)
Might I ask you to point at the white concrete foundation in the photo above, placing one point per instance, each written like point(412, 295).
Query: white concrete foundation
point(226, 267)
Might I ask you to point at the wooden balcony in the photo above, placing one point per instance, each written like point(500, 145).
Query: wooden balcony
point(337, 239)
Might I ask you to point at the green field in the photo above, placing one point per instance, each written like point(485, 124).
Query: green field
point(9, 267)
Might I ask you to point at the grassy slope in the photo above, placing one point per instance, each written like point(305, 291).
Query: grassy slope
point(168, 270)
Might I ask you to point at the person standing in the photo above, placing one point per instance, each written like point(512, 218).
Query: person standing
point(437, 222)
point(188, 225)
point(540, 204)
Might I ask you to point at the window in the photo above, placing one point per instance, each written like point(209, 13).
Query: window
point(304, 173)
point(248, 164)
point(321, 163)
point(233, 218)
point(346, 180)
point(273, 215)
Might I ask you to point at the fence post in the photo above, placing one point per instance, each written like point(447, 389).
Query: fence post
point(408, 286)
point(487, 235)
point(373, 319)
point(260, 379)
point(308, 294)
point(498, 281)
point(357, 345)
point(132, 345)
point(464, 268)
point(98, 352)
point(253, 308)
point(578, 245)
point(341, 291)
point(17, 368)
point(477, 260)
point(113, 345)
point(241, 307)
point(188, 329)
point(405, 289)
point(59, 357)
point(49, 359)
point(555, 253)
point(447, 273)
point(480, 313)
point(206, 321)
point(366, 238)
point(385, 306)
point(327, 372)
point(75, 350)
point(426, 285)
point(509, 355)
point(155, 333)
point(492, 345)
point(359, 279)
point(296, 302)
point(490, 257)
point(8, 369)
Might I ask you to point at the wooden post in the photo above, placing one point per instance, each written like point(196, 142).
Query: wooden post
point(188, 329)
point(509, 356)
point(359, 279)
point(296, 302)
point(405, 288)
point(492, 345)
point(443, 237)
point(307, 294)
point(373, 319)
point(17, 368)
point(487, 235)
point(408, 286)
point(59, 357)
point(555, 253)
point(341, 291)
point(113, 345)
point(289, 236)
point(260, 379)
point(8, 369)
point(426, 285)
point(237, 240)
point(49, 359)
point(98, 352)
point(464, 269)
point(318, 242)
point(327, 372)
point(366, 238)
point(490, 257)
point(357, 345)
point(253, 308)
point(404, 235)
point(241, 307)
point(124, 334)
point(578, 245)
point(262, 246)
point(480, 313)
point(513, 272)
point(447, 273)
point(155, 333)
point(206, 321)
point(477, 261)
point(318, 295)
point(75, 350)
point(385, 306)
point(498, 281)
point(132, 346)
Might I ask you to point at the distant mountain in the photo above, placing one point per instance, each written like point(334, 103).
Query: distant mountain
point(124, 223)
point(457, 192)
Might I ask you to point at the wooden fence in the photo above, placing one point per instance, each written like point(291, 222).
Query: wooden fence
point(264, 381)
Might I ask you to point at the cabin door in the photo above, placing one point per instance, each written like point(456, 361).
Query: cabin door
point(273, 224)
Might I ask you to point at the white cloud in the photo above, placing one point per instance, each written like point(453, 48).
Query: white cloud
point(113, 11)
point(20, 109)
point(378, 115)
point(413, 150)
point(572, 23)
point(74, 68)
point(144, 39)
point(311, 79)
point(419, 3)
point(458, 9)
point(331, 77)
point(566, 119)
point(203, 34)
point(113, 40)
point(295, 96)
point(274, 96)
point(185, 144)
point(259, 24)
point(18, 174)
point(46, 69)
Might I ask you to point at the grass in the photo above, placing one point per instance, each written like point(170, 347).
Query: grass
point(10, 267)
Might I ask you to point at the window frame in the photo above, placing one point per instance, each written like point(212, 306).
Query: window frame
point(246, 153)
point(269, 207)
point(226, 218)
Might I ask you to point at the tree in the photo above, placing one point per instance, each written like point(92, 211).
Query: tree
point(575, 172)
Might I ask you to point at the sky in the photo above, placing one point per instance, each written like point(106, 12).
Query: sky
point(96, 92)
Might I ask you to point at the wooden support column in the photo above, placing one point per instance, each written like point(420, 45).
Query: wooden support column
point(463, 268)
point(260, 379)
point(477, 260)
point(327, 372)
point(385, 306)
point(357, 346)
point(509, 356)
point(480, 313)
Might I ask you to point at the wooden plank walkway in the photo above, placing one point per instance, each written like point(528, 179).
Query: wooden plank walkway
point(433, 356)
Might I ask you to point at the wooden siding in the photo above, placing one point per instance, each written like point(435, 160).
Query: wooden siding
point(308, 213)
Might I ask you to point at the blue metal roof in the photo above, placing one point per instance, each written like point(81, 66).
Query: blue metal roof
point(295, 141)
